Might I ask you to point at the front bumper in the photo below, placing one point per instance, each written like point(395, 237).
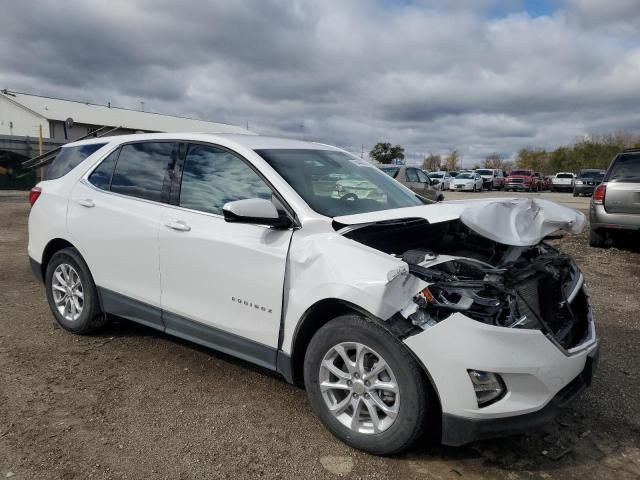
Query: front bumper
point(462, 188)
point(457, 431)
point(534, 369)
point(584, 189)
point(517, 186)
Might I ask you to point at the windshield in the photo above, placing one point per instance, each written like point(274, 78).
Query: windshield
point(335, 183)
point(524, 173)
point(435, 175)
point(391, 171)
point(564, 175)
point(626, 168)
point(485, 172)
point(464, 175)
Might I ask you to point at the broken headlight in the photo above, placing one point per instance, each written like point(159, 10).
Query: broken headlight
point(484, 303)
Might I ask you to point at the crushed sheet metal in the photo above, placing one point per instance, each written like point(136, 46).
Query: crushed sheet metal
point(522, 221)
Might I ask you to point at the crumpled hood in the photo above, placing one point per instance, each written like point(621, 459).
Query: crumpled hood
point(510, 221)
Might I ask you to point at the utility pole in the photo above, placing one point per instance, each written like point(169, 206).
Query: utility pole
point(40, 150)
point(362, 152)
point(142, 106)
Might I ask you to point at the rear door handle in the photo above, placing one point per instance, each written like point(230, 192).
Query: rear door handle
point(178, 225)
point(86, 202)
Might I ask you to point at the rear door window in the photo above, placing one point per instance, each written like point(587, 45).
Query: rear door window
point(69, 158)
point(626, 168)
point(142, 170)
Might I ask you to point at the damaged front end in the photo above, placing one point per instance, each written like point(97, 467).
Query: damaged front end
point(540, 289)
point(492, 265)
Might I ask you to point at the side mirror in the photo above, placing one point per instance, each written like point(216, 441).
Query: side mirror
point(257, 211)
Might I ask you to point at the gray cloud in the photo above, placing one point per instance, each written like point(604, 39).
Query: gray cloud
point(429, 75)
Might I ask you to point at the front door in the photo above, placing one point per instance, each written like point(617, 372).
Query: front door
point(222, 283)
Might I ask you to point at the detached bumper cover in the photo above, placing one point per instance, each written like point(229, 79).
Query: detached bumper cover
point(457, 431)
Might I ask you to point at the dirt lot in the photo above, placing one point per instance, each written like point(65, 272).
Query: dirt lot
point(133, 403)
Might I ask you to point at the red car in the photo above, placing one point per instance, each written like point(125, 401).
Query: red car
point(525, 180)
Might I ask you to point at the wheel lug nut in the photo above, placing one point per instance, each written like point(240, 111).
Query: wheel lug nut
point(349, 382)
point(355, 395)
point(356, 375)
point(366, 383)
point(366, 395)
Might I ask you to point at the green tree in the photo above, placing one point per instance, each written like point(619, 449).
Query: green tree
point(384, 153)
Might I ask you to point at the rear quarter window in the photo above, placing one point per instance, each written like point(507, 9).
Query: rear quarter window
point(69, 158)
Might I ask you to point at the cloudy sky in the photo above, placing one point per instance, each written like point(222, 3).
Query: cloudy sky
point(478, 75)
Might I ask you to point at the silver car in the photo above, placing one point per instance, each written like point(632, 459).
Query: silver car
point(615, 204)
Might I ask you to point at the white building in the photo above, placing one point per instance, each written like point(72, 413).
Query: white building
point(22, 115)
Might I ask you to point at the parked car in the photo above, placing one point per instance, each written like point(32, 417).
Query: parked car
point(414, 179)
point(586, 181)
point(615, 204)
point(522, 180)
point(453, 174)
point(562, 182)
point(491, 178)
point(397, 316)
point(467, 181)
point(440, 179)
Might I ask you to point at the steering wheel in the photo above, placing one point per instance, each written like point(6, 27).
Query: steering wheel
point(349, 197)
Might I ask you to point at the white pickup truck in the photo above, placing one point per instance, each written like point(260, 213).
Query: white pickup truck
point(562, 182)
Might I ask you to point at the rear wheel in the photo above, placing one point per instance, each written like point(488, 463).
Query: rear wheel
point(597, 238)
point(72, 294)
point(365, 386)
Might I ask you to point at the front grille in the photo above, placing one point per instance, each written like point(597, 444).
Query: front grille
point(568, 323)
point(516, 180)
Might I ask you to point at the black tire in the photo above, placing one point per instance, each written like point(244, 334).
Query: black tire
point(416, 397)
point(597, 238)
point(575, 194)
point(474, 188)
point(91, 318)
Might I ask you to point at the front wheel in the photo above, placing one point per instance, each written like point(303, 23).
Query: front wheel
point(365, 386)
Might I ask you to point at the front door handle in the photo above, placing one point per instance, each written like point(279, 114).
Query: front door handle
point(178, 225)
point(86, 202)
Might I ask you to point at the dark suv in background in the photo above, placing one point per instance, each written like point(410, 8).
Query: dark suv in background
point(615, 204)
point(586, 181)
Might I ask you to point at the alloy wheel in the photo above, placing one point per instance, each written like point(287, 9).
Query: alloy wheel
point(68, 292)
point(359, 388)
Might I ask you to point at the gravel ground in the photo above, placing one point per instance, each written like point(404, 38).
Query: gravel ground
point(133, 403)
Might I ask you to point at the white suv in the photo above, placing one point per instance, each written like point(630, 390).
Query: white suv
point(399, 317)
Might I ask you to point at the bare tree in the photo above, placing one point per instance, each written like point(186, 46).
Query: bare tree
point(431, 162)
point(494, 160)
point(453, 160)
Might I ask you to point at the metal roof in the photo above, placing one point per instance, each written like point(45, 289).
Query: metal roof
point(92, 114)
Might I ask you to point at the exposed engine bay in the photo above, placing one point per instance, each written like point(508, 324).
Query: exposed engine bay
point(532, 287)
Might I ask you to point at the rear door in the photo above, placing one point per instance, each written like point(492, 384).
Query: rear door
point(222, 283)
point(623, 185)
point(113, 217)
